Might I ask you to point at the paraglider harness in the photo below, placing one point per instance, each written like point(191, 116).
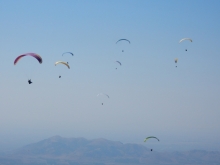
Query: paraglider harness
point(29, 81)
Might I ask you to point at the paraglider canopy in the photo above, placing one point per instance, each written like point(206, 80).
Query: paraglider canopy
point(103, 94)
point(68, 53)
point(183, 39)
point(62, 62)
point(123, 40)
point(118, 62)
point(150, 138)
point(38, 57)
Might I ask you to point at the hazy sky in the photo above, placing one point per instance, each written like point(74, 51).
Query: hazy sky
point(148, 94)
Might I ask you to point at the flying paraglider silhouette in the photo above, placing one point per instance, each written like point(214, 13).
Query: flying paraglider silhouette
point(103, 94)
point(184, 39)
point(118, 62)
point(70, 53)
point(123, 40)
point(150, 138)
point(176, 60)
point(64, 63)
point(36, 56)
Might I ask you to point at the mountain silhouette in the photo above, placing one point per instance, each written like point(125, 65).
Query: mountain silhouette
point(80, 151)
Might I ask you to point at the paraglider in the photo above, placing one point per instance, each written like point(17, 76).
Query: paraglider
point(64, 63)
point(67, 54)
point(103, 94)
point(184, 39)
point(36, 56)
point(176, 60)
point(123, 40)
point(150, 138)
point(118, 62)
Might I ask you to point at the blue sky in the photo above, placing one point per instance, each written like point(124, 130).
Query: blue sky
point(148, 94)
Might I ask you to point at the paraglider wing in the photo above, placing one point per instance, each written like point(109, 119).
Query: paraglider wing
point(118, 62)
point(107, 95)
point(103, 94)
point(61, 62)
point(123, 40)
point(68, 53)
point(150, 138)
point(185, 39)
point(38, 57)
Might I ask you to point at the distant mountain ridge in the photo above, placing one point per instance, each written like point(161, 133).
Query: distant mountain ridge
point(58, 146)
point(80, 151)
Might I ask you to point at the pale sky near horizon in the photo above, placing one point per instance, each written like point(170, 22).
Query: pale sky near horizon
point(148, 94)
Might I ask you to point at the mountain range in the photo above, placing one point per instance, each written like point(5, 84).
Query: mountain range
point(80, 151)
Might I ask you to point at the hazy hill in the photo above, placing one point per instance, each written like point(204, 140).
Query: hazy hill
point(59, 151)
point(80, 147)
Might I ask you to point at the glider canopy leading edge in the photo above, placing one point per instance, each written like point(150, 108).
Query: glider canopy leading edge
point(150, 138)
point(38, 57)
